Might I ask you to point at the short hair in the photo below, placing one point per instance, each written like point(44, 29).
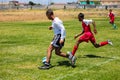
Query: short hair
point(81, 15)
point(110, 9)
point(49, 12)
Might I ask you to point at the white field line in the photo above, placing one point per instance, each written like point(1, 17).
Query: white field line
point(85, 70)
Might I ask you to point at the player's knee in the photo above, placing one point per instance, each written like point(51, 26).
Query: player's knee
point(57, 52)
point(96, 45)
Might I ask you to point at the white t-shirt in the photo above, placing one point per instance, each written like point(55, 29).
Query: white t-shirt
point(58, 27)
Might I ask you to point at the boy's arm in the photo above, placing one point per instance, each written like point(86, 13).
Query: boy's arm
point(94, 26)
point(77, 35)
point(62, 37)
point(63, 33)
point(50, 27)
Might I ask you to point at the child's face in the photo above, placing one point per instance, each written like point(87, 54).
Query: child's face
point(79, 18)
point(49, 17)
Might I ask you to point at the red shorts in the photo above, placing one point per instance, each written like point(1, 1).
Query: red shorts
point(86, 37)
point(112, 21)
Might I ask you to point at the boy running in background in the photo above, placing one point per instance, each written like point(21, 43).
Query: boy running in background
point(112, 18)
point(86, 35)
point(58, 40)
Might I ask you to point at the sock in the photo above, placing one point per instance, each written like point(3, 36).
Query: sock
point(74, 50)
point(103, 43)
point(114, 26)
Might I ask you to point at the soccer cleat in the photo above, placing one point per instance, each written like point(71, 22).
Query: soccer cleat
point(69, 55)
point(110, 43)
point(45, 66)
point(71, 58)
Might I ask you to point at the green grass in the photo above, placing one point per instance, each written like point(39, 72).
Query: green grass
point(24, 44)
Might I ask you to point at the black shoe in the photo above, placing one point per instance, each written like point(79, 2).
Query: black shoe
point(45, 66)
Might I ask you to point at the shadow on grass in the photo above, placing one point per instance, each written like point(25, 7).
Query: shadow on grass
point(60, 63)
point(94, 56)
point(65, 63)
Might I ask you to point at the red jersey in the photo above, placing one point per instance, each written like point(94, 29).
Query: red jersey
point(86, 25)
point(111, 16)
point(87, 35)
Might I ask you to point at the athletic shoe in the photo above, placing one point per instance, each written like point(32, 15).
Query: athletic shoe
point(110, 43)
point(45, 66)
point(70, 55)
point(71, 58)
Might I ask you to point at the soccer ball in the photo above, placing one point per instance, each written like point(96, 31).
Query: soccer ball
point(44, 60)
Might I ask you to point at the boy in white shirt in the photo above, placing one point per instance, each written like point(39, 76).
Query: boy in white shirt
point(58, 40)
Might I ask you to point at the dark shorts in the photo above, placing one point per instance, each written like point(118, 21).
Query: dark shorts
point(56, 40)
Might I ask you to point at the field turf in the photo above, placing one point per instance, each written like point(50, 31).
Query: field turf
point(24, 44)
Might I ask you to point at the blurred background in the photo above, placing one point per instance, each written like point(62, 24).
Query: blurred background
point(58, 4)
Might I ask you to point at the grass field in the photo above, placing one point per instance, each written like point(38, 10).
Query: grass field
point(24, 44)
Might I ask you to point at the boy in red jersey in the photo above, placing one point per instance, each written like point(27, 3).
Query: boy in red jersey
point(87, 35)
point(112, 18)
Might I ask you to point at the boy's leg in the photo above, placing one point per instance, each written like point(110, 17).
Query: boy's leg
point(72, 59)
point(74, 50)
point(113, 24)
point(85, 37)
point(47, 64)
point(102, 43)
point(106, 42)
point(93, 41)
point(75, 47)
point(59, 53)
point(49, 53)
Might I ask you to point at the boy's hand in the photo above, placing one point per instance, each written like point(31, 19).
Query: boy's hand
point(95, 31)
point(61, 41)
point(75, 36)
point(50, 28)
